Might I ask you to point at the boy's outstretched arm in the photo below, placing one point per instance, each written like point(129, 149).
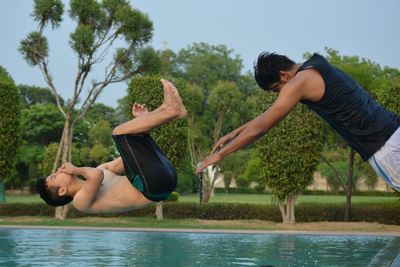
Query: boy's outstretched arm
point(288, 98)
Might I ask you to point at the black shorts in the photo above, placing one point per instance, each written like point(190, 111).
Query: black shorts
point(146, 166)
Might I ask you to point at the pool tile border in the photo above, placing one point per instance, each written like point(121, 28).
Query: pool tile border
point(192, 230)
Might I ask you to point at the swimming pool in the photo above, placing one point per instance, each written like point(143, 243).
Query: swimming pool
point(49, 247)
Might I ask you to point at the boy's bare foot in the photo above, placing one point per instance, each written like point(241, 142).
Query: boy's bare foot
point(139, 110)
point(167, 95)
point(173, 100)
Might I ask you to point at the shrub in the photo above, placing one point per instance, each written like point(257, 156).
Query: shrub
point(9, 124)
point(173, 197)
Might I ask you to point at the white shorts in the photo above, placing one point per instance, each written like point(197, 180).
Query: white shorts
point(386, 161)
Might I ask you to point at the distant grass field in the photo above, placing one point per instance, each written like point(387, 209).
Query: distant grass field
point(267, 199)
point(244, 198)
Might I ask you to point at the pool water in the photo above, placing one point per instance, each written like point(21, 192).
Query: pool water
point(37, 247)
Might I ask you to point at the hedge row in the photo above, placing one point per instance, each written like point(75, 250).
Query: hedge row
point(386, 213)
point(259, 190)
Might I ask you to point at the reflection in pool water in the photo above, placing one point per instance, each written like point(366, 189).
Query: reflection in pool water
point(30, 247)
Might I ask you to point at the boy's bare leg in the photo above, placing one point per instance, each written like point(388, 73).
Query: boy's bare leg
point(171, 108)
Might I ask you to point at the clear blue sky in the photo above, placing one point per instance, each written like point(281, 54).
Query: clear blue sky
point(367, 28)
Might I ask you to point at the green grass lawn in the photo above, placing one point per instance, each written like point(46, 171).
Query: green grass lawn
point(267, 199)
point(243, 198)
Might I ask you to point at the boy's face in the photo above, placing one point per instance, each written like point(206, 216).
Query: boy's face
point(60, 180)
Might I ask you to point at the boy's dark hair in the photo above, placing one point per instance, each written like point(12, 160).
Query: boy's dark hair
point(267, 68)
point(50, 196)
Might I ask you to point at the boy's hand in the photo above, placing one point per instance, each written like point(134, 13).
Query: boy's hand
point(212, 159)
point(68, 168)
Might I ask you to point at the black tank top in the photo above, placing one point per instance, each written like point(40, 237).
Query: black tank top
point(350, 110)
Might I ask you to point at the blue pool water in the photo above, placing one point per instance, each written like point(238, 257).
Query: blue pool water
point(33, 247)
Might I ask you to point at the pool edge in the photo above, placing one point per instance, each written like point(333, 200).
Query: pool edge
point(192, 230)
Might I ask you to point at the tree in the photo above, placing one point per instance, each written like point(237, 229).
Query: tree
point(99, 26)
point(205, 65)
point(9, 127)
point(194, 106)
point(224, 100)
point(252, 170)
point(42, 124)
point(389, 94)
point(290, 155)
point(28, 159)
point(99, 112)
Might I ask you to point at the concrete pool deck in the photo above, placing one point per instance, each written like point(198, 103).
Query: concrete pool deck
point(193, 230)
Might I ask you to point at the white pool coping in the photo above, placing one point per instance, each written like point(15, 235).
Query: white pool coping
point(194, 230)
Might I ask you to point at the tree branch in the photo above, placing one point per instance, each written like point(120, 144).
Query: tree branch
point(90, 99)
point(98, 87)
point(49, 81)
point(86, 69)
point(337, 174)
point(111, 40)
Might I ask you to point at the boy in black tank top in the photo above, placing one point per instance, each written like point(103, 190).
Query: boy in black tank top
point(368, 127)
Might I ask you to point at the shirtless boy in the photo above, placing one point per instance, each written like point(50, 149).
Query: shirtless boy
point(140, 176)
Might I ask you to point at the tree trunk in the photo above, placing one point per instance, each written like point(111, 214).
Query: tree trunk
point(64, 153)
point(61, 212)
point(287, 210)
point(57, 159)
point(347, 214)
point(206, 195)
point(201, 187)
point(159, 210)
point(337, 174)
point(209, 187)
point(218, 126)
point(191, 142)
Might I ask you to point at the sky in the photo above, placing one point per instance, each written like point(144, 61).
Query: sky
point(367, 28)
